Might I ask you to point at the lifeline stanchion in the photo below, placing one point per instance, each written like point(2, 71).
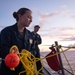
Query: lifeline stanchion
point(59, 56)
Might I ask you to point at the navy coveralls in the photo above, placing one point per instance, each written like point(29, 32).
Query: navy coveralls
point(10, 36)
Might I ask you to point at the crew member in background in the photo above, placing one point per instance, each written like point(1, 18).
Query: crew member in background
point(37, 41)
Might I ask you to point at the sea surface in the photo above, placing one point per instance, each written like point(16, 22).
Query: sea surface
point(69, 66)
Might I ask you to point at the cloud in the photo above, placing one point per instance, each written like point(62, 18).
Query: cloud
point(46, 17)
point(61, 34)
point(63, 7)
point(71, 38)
point(64, 12)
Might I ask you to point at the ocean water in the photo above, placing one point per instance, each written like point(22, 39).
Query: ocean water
point(70, 56)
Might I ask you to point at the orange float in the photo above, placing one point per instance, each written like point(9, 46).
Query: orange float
point(12, 60)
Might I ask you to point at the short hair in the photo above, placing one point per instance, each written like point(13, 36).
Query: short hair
point(36, 26)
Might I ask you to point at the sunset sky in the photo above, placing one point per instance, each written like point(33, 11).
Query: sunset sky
point(55, 17)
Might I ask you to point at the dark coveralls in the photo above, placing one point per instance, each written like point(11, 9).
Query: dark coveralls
point(11, 36)
point(37, 38)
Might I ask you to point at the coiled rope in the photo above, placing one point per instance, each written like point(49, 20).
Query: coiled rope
point(28, 60)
